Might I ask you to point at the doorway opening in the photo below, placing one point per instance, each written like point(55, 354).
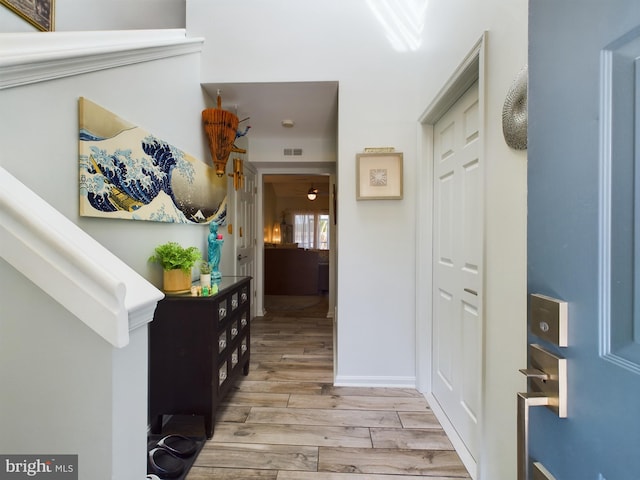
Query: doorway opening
point(298, 238)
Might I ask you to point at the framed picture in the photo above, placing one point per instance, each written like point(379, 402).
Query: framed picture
point(379, 176)
point(39, 13)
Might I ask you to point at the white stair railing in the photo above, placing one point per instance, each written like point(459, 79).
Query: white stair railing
point(70, 266)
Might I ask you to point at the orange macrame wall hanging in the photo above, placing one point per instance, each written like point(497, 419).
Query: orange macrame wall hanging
point(221, 127)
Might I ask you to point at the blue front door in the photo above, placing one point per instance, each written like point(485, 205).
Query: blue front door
point(584, 228)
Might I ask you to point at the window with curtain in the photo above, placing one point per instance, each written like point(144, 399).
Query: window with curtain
point(311, 230)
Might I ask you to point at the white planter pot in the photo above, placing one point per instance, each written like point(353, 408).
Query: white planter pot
point(205, 279)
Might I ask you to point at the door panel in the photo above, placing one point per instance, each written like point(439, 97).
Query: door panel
point(582, 149)
point(457, 330)
point(246, 229)
point(444, 346)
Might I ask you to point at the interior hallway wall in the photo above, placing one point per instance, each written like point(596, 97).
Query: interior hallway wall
point(382, 92)
point(40, 148)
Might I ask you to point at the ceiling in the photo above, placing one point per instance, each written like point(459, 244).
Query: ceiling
point(311, 106)
point(297, 185)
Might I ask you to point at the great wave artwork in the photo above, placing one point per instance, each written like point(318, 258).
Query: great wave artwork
point(128, 173)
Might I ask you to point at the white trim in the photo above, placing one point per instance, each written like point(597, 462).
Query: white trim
point(424, 267)
point(379, 382)
point(27, 58)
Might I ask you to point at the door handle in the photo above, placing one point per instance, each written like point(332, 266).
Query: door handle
point(240, 256)
point(546, 386)
point(525, 402)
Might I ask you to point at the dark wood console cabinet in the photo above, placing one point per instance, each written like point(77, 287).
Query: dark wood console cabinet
point(197, 348)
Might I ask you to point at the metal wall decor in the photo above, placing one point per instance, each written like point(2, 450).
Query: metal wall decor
point(514, 112)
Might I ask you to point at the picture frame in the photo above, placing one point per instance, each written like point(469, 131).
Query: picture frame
point(39, 13)
point(379, 176)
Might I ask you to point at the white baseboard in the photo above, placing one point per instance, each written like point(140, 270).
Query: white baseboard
point(390, 382)
point(461, 449)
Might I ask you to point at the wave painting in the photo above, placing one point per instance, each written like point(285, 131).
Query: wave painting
point(128, 173)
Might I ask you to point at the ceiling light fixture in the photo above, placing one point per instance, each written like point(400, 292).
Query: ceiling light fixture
point(312, 194)
point(288, 123)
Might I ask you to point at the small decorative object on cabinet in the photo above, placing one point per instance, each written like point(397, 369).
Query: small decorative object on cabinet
point(205, 274)
point(198, 346)
point(214, 250)
point(176, 262)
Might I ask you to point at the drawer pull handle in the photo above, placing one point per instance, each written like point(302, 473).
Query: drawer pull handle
point(222, 344)
point(234, 303)
point(222, 312)
point(234, 331)
point(243, 322)
point(243, 297)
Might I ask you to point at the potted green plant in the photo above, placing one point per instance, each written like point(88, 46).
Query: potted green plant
point(205, 273)
point(176, 262)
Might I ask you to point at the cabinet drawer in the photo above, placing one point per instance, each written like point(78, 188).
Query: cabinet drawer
point(222, 374)
point(243, 323)
point(233, 330)
point(244, 294)
point(222, 309)
point(223, 342)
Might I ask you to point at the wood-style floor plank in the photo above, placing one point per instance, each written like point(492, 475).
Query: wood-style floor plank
point(410, 439)
point(370, 392)
point(391, 461)
point(291, 475)
point(258, 386)
point(419, 420)
point(210, 473)
point(262, 456)
point(412, 404)
point(274, 434)
point(287, 421)
point(318, 416)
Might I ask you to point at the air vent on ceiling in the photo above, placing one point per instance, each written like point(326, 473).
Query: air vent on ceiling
point(292, 152)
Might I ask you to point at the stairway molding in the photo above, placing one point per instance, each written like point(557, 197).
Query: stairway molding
point(27, 58)
point(72, 267)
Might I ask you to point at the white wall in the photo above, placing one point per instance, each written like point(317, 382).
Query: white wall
point(86, 15)
point(334, 41)
point(162, 97)
point(57, 377)
point(100, 394)
point(266, 150)
point(382, 93)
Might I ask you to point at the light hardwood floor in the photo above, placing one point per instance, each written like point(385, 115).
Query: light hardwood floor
point(285, 420)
